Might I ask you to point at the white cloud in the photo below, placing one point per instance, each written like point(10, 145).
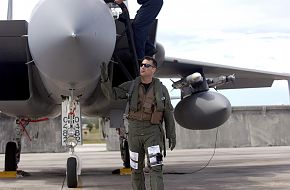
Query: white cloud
point(249, 34)
point(21, 9)
point(3, 9)
point(242, 33)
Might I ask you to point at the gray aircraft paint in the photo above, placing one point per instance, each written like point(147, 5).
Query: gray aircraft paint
point(68, 41)
point(203, 110)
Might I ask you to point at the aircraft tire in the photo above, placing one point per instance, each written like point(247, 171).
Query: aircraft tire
point(71, 170)
point(126, 155)
point(10, 156)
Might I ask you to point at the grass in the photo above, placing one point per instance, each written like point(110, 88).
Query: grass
point(92, 137)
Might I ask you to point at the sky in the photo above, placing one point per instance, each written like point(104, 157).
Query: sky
point(251, 34)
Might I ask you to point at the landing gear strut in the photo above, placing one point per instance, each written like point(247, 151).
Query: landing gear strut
point(125, 155)
point(71, 137)
point(13, 148)
point(124, 147)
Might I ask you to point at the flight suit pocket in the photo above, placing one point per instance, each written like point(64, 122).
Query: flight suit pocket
point(147, 107)
point(156, 117)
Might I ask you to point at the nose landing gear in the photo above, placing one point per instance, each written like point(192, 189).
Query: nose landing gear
point(71, 137)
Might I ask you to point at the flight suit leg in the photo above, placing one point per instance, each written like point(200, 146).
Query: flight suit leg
point(142, 23)
point(136, 147)
point(154, 137)
point(156, 178)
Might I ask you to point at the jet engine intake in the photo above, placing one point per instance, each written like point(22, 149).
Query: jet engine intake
point(202, 110)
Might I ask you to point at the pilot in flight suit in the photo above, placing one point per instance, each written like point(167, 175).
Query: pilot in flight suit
point(142, 24)
point(149, 106)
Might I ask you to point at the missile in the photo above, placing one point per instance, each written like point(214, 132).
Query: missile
point(196, 78)
point(192, 79)
point(221, 80)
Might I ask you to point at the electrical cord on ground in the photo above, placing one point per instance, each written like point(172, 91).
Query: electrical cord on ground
point(202, 168)
point(63, 182)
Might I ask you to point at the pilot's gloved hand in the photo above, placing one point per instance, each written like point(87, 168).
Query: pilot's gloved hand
point(104, 72)
point(172, 143)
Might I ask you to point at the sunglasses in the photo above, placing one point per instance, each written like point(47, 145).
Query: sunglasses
point(146, 65)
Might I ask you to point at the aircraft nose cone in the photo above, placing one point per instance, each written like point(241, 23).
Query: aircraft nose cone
point(73, 35)
point(69, 39)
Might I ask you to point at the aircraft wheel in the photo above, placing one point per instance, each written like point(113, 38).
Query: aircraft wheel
point(71, 172)
point(10, 156)
point(126, 155)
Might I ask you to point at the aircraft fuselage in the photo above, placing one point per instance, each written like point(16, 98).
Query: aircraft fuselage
point(68, 41)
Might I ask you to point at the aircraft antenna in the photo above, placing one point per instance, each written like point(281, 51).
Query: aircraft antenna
point(9, 9)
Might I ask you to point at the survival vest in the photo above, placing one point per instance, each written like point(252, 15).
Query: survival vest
point(147, 106)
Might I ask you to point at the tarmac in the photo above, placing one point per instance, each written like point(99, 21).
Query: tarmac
point(255, 168)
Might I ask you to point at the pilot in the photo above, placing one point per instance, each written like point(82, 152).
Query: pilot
point(142, 24)
point(148, 106)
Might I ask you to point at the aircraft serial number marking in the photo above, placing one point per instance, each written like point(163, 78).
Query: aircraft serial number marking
point(73, 121)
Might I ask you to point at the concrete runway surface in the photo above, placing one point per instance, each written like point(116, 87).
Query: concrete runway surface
point(261, 168)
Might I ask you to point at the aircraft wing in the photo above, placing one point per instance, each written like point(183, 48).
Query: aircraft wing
point(245, 78)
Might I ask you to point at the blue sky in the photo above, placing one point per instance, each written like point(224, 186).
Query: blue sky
point(243, 33)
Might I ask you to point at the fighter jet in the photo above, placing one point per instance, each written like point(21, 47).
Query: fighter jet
point(51, 66)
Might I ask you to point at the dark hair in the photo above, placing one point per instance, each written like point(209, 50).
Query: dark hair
point(151, 59)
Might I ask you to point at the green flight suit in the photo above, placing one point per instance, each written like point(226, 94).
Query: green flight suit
point(143, 134)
